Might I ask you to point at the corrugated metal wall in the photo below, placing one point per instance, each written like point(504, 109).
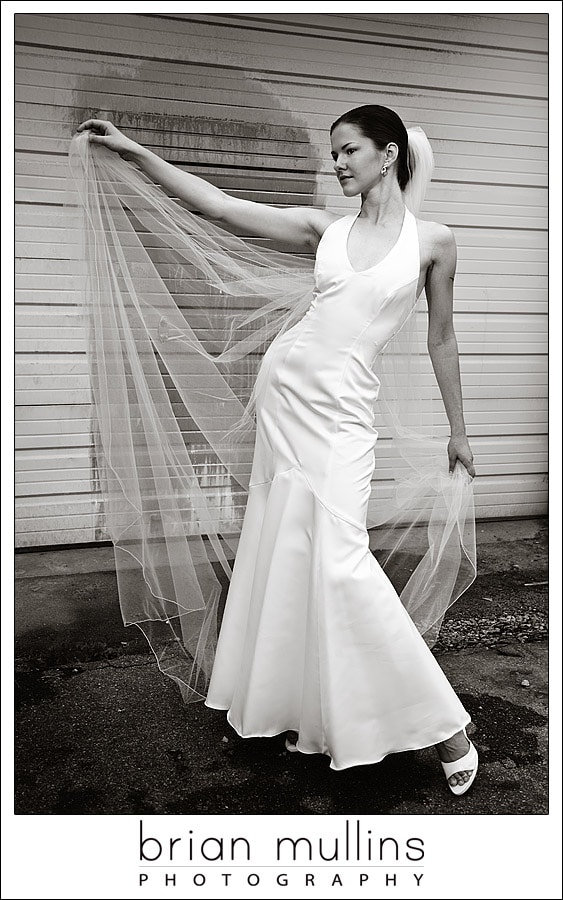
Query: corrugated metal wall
point(246, 101)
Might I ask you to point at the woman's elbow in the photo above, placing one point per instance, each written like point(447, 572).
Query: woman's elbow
point(442, 341)
point(216, 208)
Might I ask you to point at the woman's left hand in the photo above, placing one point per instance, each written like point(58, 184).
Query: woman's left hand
point(458, 448)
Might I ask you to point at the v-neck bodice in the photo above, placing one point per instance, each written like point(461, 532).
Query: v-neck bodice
point(368, 269)
point(399, 266)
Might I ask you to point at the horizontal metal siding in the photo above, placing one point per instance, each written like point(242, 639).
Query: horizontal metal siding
point(246, 101)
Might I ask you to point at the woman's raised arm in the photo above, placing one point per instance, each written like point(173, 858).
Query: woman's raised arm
point(299, 227)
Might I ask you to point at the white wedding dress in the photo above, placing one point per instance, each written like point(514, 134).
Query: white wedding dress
point(314, 637)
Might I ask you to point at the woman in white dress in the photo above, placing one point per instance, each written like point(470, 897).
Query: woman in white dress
point(314, 639)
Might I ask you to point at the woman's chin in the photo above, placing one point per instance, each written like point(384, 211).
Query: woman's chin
point(349, 188)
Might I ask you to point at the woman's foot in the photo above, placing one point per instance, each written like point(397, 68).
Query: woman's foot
point(450, 751)
point(291, 738)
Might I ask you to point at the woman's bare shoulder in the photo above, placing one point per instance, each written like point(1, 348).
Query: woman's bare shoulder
point(437, 241)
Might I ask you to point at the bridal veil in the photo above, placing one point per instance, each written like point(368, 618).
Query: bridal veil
point(178, 313)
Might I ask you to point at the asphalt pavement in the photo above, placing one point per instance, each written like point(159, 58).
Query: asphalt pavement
point(100, 731)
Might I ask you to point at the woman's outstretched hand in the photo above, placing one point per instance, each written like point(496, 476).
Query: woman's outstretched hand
point(459, 449)
point(102, 132)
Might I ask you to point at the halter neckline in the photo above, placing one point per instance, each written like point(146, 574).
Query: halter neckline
point(387, 255)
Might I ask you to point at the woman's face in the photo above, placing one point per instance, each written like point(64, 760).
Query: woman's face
point(357, 161)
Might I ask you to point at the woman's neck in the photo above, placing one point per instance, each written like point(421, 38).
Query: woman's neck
point(383, 204)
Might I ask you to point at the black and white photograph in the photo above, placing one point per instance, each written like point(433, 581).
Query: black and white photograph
point(280, 462)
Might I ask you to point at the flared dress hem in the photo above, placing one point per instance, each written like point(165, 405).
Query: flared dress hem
point(443, 736)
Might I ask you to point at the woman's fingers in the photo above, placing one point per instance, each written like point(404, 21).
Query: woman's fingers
point(99, 124)
point(459, 449)
point(469, 466)
point(466, 461)
point(100, 131)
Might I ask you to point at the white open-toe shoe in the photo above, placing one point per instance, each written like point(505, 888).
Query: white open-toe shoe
point(291, 743)
point(467, 763)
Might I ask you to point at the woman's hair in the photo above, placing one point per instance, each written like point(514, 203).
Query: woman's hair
point(383, 126)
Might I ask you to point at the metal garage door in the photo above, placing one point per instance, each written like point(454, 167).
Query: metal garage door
point(246, 101)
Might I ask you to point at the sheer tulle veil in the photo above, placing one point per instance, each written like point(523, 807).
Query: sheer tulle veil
point(178, 314)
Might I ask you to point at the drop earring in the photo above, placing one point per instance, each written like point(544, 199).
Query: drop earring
point(384, 171)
